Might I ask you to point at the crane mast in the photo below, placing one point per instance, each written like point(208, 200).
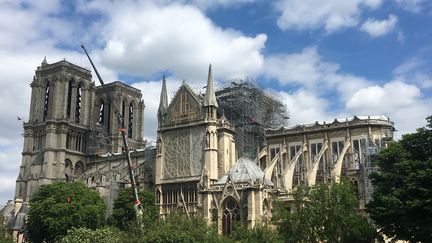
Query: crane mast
point(137, 203)
point(94, 67)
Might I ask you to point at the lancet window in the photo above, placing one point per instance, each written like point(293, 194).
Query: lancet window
point(69, 99)
point(78, 104)
point(46, 101)
point(130, 124)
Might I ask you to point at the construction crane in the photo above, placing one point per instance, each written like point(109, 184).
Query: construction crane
point(137, 203)
point(94, 67)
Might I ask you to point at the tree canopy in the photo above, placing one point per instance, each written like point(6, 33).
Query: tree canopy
point(85, 235)
point(124, 213)
point(323, 213)
point(402, 197)
point(177, 227)
point(58, 207)
point(4, 236)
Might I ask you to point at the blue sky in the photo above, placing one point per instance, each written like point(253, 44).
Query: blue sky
point(325, 59)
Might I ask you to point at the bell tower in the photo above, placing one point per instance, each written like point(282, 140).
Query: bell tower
point(59, 121)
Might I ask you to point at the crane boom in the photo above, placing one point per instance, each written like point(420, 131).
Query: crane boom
point(94, 67)
point(137, 202)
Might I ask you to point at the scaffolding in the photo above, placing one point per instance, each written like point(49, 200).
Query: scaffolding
point(250, 110)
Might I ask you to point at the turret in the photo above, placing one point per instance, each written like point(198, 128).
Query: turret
point(163, 104)
point(210, 98)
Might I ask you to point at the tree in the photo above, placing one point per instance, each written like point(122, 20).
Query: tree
point(176, 227)
point(4, 236)
point(85, 235)
point(402, 197)
point(58, 207)
point(124, 213)
point(323, 213)
point(258, 234)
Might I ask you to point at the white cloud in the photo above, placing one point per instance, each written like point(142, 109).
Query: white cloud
point(377, 28)
point(305, 68)
point(308, 69)
point(414, 6)
point(326, 93)
point(7, 185)
point(305, 107)
point(313, 14)
point(145, 39)
point(402, 102)
point(415, 70)
point(206, 4)
point(176, 38)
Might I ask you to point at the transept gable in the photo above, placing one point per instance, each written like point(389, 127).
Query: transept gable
point(186, 106)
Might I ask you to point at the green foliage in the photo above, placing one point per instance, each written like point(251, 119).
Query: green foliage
point(178, 228)
point(85, 235)
point(4, 238)
point(322, 213)
point(260, 233)
point(51, 215)
point(124, 213)
point(402, 198)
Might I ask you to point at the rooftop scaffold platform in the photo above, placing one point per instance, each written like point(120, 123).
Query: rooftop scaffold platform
point(251, 110)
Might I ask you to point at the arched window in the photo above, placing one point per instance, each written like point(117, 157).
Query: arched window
point(79, 168)
point(130, 124)
point(78, 104)
point(46, 102)
point(298, 173)
point(69, 99)
point(68, 140)
point(123, 113)
point(230, 215)
point(101, 112)
point(68, 169)
point(108, 117)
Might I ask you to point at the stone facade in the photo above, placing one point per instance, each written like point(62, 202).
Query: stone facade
point(71, 123)
point(325, 152)
point(72, 134)
point(195, 155)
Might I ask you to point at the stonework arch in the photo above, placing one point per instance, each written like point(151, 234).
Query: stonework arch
point(79, 168)
point(68, 170)
point(230, 214)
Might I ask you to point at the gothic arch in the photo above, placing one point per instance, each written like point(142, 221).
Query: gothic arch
point(83, 84)
point(79, 168)
point(355, 186)
point(131, 118)
point(108, 104)
point(78, 103)
point(69, 91)
point(230, 211)
point(101, 111)
point(298, 173)
point(68, 170)
point(159, 144)
point(124, 111)
point(208, 139)
point(46, 98)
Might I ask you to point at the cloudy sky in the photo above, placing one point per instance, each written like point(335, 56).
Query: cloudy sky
point(325, 58)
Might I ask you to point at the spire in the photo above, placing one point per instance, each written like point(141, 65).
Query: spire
point(163, 105)
point(44, 62)
point(210, 97)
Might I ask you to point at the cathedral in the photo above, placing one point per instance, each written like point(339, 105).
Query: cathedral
point(205, 162)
